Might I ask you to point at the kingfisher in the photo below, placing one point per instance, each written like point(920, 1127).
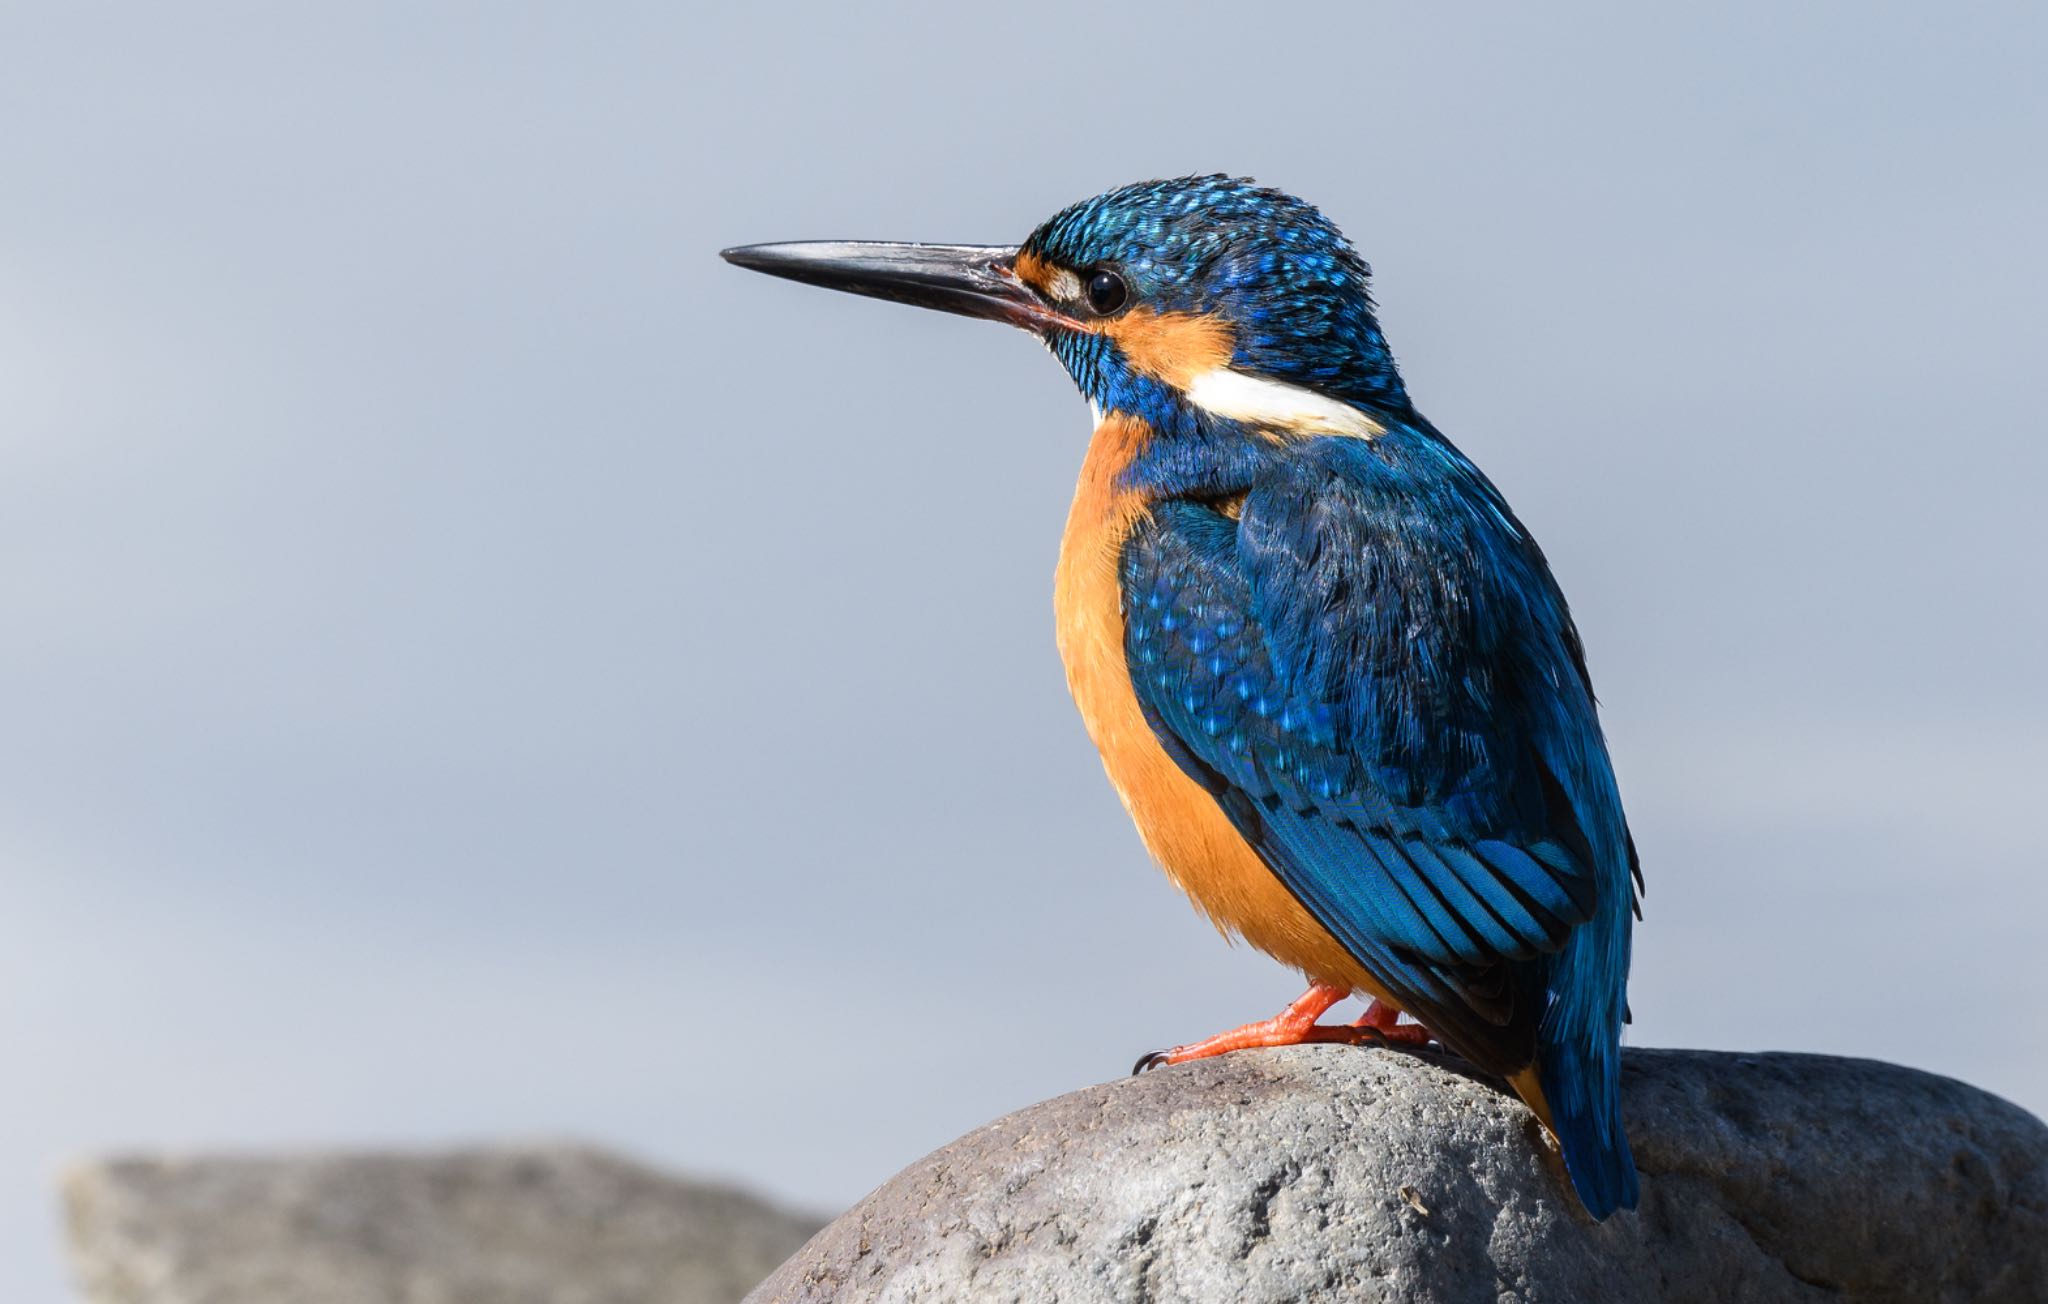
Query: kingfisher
point(1327, 667)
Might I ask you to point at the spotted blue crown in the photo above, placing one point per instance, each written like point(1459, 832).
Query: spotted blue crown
point(1291, 287)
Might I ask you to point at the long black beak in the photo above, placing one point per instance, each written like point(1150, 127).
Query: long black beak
point(973, 280)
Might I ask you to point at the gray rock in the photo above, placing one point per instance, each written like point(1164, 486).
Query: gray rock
point(1334, 1173)
point(542, 1226)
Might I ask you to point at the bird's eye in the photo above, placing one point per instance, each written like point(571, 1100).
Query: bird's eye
point(1106, 291)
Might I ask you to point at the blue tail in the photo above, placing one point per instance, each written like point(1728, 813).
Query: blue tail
point(1578, 1041)
point(1583, 1091)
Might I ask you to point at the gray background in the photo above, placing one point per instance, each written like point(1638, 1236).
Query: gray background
point(475, 665)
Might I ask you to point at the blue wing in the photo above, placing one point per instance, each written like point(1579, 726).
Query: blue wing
point(1369, 667)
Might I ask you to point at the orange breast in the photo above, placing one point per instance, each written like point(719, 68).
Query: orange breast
point(1183, 827)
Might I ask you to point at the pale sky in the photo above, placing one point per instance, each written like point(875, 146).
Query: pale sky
point(475, 666)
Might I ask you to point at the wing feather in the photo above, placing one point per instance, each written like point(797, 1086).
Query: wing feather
point(1338, 686)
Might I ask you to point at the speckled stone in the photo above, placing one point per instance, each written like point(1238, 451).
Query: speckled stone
point(1338, 1173)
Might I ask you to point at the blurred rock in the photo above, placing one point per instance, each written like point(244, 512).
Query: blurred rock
point(1332, 1173)
point(496, 1226)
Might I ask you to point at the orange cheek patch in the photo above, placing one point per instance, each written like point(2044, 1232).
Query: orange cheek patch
point(1035, 271)
point(1174, 346)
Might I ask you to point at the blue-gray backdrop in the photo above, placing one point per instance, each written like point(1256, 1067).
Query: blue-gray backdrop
point(473, 665)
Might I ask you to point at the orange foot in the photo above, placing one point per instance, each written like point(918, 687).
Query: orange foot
point(1295, 1026)
point(1386, 1021)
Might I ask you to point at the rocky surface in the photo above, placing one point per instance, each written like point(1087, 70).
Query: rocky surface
point(542, 1226)
point(1336, 1173)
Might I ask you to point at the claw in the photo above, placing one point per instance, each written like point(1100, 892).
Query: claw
point(1150, 1060)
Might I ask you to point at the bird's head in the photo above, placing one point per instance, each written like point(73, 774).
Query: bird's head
point(1190, 303)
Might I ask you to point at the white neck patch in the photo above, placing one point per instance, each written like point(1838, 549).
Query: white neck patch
point(1258, 401)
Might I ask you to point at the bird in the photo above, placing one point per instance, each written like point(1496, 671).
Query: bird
point(1328, 669)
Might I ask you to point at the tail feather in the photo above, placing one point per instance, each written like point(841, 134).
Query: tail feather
point(1582, 1098)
